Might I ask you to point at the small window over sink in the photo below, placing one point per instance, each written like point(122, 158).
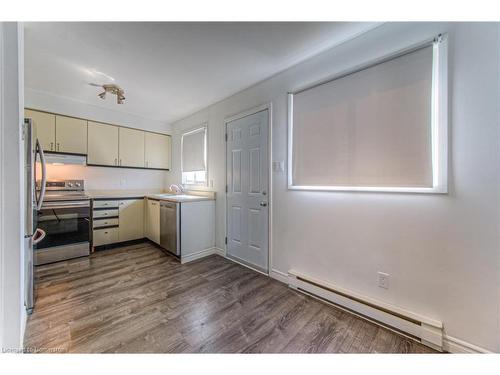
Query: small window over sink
point(194, 156)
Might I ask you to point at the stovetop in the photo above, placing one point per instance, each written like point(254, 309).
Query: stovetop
point(64, 190)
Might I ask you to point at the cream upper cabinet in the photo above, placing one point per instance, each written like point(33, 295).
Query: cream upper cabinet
point(102, 144)
point(131, 148)
point(131, 219)
point(71, 135)
point(153, 220)
point(158, 149)
point(45, 127)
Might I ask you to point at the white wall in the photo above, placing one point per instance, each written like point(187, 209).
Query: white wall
point(100, 178)
point(13, 313)
point(442, 251)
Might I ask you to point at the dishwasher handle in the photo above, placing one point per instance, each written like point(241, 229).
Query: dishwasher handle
point(171, 205)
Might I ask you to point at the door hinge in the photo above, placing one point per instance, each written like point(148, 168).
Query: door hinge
point(226, 137)
point(225, 240)
point(227, 189)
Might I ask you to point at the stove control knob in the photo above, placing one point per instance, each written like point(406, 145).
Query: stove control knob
point(70, 184)
point(77, 184)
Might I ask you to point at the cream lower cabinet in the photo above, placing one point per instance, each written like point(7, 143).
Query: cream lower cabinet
point(131, 143)
point(45, 127)
point(102, 144)
point(152, 215)
point(130, 219)
point(71, 135)
point(105, 236)
point(157, 150)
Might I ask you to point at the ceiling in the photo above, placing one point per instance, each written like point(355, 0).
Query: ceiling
point(168, 70)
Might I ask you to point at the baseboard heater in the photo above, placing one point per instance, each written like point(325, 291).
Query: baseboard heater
point(422, 329)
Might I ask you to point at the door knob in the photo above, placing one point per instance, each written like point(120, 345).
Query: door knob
point(263, 204)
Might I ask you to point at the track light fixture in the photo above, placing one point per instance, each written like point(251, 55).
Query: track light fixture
point(113, 89)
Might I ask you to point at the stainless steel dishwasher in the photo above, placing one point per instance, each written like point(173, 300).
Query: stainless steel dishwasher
point(170, 227)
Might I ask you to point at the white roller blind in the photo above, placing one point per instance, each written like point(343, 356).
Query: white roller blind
point(371, 128)
point(193, 150)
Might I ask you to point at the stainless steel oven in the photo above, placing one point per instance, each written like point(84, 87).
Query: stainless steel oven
point(65, 219)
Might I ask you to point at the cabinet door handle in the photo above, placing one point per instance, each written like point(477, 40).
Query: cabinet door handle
point(57, 146)
point(120, 161)
point(116, 160)
point(51, 145)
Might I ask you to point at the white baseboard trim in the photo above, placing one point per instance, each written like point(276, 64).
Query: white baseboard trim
point(278, 275)
point(220, 251)
point(201, 254)
point(421, 328)
point(453, 345)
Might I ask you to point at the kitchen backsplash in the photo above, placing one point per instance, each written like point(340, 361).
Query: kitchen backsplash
point(102, 178)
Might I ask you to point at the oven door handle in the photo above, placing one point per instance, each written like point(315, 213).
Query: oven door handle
point(53, 206)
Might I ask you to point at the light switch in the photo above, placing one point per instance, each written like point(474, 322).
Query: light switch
point(279, 166)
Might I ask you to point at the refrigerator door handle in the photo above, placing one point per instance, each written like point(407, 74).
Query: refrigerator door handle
point(38, 236)
point(44, 176)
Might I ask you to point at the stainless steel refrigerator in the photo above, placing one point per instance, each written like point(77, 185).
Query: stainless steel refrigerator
point(33, 154)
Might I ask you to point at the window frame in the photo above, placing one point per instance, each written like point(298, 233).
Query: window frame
point(199, 128)
point(439, 123)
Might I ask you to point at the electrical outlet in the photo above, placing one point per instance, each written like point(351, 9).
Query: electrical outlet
point(383, 280)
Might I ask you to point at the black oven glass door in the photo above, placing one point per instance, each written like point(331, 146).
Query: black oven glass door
point(64, 225)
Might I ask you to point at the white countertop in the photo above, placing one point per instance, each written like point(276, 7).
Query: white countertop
point(181, 198)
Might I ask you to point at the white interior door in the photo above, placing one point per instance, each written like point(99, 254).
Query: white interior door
point(247, 190)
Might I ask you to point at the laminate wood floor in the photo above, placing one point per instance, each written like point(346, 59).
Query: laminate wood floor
point(135, 299)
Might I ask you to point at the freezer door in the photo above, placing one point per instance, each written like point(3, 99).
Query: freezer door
point(28, 275)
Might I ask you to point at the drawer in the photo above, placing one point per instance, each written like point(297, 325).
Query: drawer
point(105, 213)
point(106, 204)
point(105, 236)
point(105, 222)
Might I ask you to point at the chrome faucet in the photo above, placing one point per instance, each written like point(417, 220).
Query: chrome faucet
point(176, 189)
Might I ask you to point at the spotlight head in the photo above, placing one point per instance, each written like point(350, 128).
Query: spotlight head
point(120, 98)
point(115, 90)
